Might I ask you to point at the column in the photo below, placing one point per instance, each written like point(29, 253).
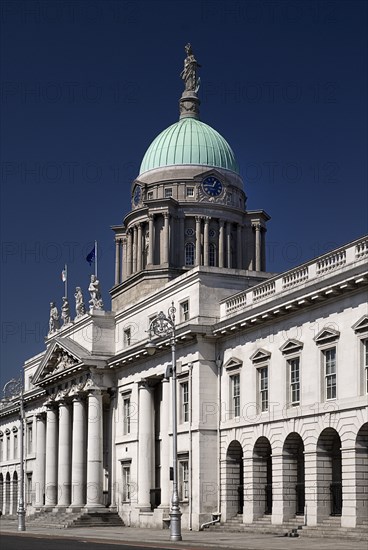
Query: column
point(39, 467)
point(350, 485)
point(135, 238)
point(165, 446)
point(94, 450)
point(64, 454)
point(239, 246)
point(221, 243)
point(263, 249)
point(151, 236)
point(277, 489)
point(249, 510)
point(139, 248)
point(198, 241)
point(51, 456)
point(166, 238)
point(78, 453)
point(228, 244)
point(146, 445)
point(257, 260)
point(206, 240)
point(129, 253)
point(125, 264)
point(312, 489)
point(117, 261)
point(181, 259)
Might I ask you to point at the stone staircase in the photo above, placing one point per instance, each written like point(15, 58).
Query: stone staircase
point(57, 519)
point(330, 528)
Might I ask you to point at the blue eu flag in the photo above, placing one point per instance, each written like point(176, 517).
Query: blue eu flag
point(91, 256)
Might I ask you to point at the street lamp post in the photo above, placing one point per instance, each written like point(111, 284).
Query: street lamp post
point(164, 326)
point(14, 388)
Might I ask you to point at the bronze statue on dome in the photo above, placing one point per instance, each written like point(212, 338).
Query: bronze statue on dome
point(189, 73)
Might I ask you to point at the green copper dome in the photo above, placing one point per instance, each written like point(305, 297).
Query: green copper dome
point(189, 141)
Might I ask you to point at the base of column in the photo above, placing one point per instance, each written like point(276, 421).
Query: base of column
point(94, 507)
point(144, 508)
point(75, 508)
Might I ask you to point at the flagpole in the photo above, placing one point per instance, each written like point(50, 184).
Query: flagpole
point(96, 258)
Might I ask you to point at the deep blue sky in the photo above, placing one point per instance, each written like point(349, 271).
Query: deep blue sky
point(87, 85)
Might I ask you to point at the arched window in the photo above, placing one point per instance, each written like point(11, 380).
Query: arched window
point(189, 254)
point(212, 255)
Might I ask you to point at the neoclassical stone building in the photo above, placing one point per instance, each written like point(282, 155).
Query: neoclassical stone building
point(272, 369)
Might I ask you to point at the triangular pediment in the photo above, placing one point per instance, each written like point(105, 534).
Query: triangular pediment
point(63, 354)
point(327, 335)
point(233, 363)
point(291, 345)
point(260, 355)
point(361, 325)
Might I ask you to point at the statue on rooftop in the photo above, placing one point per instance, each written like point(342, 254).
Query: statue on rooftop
point(80, 308)
point(65, 311)
point(94, 290)
point(189, 73)
point(54, 322)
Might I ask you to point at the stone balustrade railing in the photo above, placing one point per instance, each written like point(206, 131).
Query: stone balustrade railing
point(303, 275)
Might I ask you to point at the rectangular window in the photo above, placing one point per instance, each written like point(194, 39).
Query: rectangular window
point(330, 372)
point(184, 311)
point(184, 389)
point(29, 438)
point(235, 394)
point(150, 195)
point(294, 381)
point(168, 192)
point(15, 446)
point(263, 388)
point(126, 415)
point(29, 489)
point(190, 191)
point(127, 337)
point(7, 448)
point(1, 449)
point(126, 484)
point(183, 480)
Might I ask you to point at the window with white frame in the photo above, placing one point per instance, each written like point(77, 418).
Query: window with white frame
point(184, 311)
point(184, 401)
point(7, 448)
point(168, 192)
point(183, 476)
point(126, 414)
point(263, 388)
point(361, 330)
point(189, 254)
point(235, 394)
point(190, 191)
point(150, 195)
point(126, 496)
point(127, 336)
point(294, 380)
point(29, 489)
point(29, 438)
point(329, 361)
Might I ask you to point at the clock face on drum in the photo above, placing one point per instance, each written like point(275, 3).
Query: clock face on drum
point(212, 186)
point(137, 193)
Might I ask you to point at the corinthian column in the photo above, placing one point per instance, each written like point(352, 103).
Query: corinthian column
point(117, 261)
point(257, 228)
point(228, 243)
point(239, 244)
point(135, 234)
point(51, 456)
point(198, 241)
point(94, 449)
point(129, 253)
point(221, 243)
point(166, 238)
point(146, 446)
point(139, 248)
point(39, 467)
point(125, 264)
point(78, 453)
point(206, 240)
point(151, 239)
point(64, 454)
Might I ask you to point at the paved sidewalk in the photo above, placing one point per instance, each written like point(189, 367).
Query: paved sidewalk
point(191, 539)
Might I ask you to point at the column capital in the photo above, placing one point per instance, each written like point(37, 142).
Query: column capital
point(257, 226)
point(206, 219)
point(151, 217)
point(198, 218)
point(40, 416)
point(145, 384)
